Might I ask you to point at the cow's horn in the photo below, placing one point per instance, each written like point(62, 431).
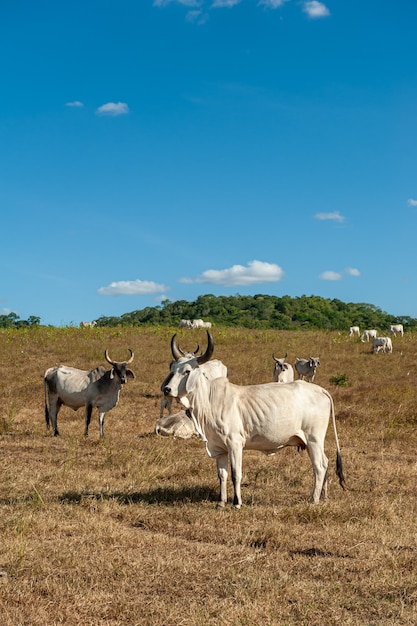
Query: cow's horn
point(106, 356)
point(176, 353)
point(274, 357)
point(203, 358)
point(195, 351)
point(108, 359)
point(132, 355)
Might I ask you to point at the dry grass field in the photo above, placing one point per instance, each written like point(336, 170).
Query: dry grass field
point(126, 531)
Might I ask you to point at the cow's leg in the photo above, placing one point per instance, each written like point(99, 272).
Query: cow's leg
point(54, 406)
point(87, 418)
point(236, 453)
point(222, 462)
point(101, 415)
point(320, 463)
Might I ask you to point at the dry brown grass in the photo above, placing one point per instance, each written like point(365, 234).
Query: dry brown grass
point(125, 531)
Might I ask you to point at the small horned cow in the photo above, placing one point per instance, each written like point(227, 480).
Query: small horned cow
point(283, 372)
point(306, 368)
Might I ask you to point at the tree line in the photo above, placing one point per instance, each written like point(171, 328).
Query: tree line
point(263, 312)
point(257, 312)
point(12, 320)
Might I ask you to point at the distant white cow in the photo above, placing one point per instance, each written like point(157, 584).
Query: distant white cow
point(397, 328)
point(283, 372)
point(185, 324)
point(201, 324)
point(306, 368)
point(354, 330)
point(369, 334)
point(88, 324)
point(382, 344)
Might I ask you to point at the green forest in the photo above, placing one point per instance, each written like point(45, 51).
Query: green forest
point(258, 312)
point(262, 312)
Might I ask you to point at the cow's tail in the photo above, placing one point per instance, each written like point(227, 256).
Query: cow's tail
point(46, 404)
point(339, 464)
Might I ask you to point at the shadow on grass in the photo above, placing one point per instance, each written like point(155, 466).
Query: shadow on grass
point(166, 496)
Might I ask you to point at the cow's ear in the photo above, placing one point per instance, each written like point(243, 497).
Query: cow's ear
point(130, 374)
point(112, 372)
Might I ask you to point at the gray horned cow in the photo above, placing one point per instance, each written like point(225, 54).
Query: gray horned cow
point(306, 368)
point(266, 417)
point(75, 388)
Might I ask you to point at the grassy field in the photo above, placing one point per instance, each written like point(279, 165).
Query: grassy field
point(126, 531)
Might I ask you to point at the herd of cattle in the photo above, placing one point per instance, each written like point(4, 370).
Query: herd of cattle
point(379, 344)
point(227, 417)
point(194, 324)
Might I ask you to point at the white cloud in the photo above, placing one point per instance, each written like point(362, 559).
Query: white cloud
point(411, 202)
point(315, 9)
point(6, 311)
point(352, 271)
point(161, 298)
point(186, 3)
point(329, 275)
point(131, 288)
point(335, 215)
point(271, 4)
point(220, 4)
point(198, 17)
point(113, 108)
point(76, 103)
point(255, 272)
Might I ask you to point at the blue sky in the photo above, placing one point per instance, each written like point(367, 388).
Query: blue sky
point(155, 149)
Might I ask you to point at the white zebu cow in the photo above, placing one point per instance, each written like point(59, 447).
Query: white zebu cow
point(75, 388)
point(212, 369)
point(201, 324)
point(354, 330)
point(306, 368)
point(382, 344)
point(264, 417)
point(369, 334)
point(185, 324)
point(166, 401)
point(397, 328)
point(179, 425)
point(283, 372)
point(88, 324)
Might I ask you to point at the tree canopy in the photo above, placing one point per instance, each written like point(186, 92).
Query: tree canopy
point(257, 312)
point(262, 312)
